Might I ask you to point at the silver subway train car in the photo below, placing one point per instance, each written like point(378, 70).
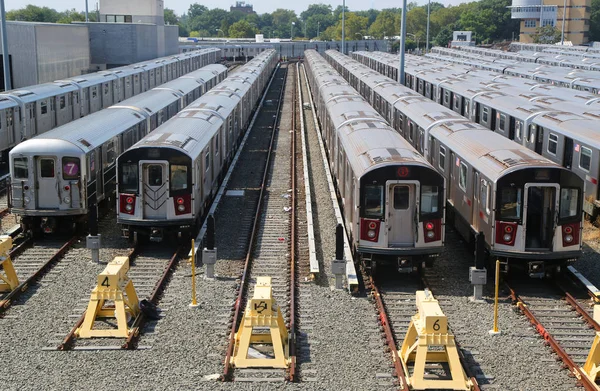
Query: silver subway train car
point(167, 180)
point(31, 111)
point(56, 175)
point(393, 199)
point(528, 207)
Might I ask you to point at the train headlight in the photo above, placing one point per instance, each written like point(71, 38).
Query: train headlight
point(568, 238)
point(371, 234)
point(27, 200)
point(67, 200)
point(507, 237)
point(430, 234)
point(181, 208)
point(128, 207)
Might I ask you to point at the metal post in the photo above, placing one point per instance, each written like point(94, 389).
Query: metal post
point(93, 240)
point(86, 12)
point(495, 330)
point(209, 253)
point(478, 274)
point(292, 31)
point(194, 303)
point(428, 13)
point(562, 34)
point(5, 62)
point(338, 265)
point(402, 43)
point(344, 27)
point(318, 29)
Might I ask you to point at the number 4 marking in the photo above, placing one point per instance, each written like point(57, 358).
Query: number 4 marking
point(105, 282)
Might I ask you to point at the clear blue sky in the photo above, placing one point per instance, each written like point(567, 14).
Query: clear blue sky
point(260, 6)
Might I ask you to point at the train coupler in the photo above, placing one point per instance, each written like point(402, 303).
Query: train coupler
point(8, 275)
point(428, 341)
point(156, 235)
point(536, 269)
point(113, 285)
point(262, 313)
point(405, 265)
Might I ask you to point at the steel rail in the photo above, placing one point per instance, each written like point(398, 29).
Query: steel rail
point(389, 335)
point(550, 340)
point(238, 306)
point(461, 356)
point(23, 286)
point(293, 247)
point(154, 298)
point(69, 339)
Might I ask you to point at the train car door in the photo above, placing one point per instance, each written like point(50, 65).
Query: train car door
point(539, 209)
point(539, 141)
point(568, 154)
point(47, 183)
point(401, 208)
point(156, 189)
point(475, 198)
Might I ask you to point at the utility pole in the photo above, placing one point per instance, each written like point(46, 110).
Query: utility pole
point(428, 13)
point(402, 43)
point(86, 12)
point(344, 27)
point(5, 62)
point(562, 34)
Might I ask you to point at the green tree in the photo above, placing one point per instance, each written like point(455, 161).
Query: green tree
point(443, 37)
point(32, 13)
point(242, 29)
point(386, 24)
point(546, 35)
point(170, 17)
point(282, 23)
point(595, 21)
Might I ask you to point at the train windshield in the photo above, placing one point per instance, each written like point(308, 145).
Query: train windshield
point(129, 177)
point(20, 169)
point(429, 199)
point(178, 177)
point(510, 203)
point(568, 202)
point(373, 201)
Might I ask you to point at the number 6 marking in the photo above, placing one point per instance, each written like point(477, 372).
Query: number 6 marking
point(436, 325)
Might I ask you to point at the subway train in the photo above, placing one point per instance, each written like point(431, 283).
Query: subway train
point(392, 198)
point(57, 175)
point(528, 208)
point(31, 111)
point(554, 124)
point(167, 180)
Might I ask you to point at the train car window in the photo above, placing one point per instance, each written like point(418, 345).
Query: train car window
point(552, 143)
point(484, 117)
point(94, 91)
point(217, 144)
point(47, 168)
point(585, 158)
point(43, 107)
point(373, 201)
point(429, 199)
point(62, 103)
point(155, 175)
point(207, 160)
point(178, 177)
point(502, 122)
point(442, 158)
point(411, 130)
point(446, 97)
point(531, 133)
point(20, 169)
point(111, 152)
point(401, 197)
point(568, 202)
point(483, 196)
point(462, 176)
point(510, 203)
point(456, 103)
point(129, 177)
point(70, 168)
point(518, 125)
point(105, 88)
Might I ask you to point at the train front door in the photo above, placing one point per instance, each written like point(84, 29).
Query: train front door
point(156, 189)
point(47, 183)
point(401, 213)
point(539, 208)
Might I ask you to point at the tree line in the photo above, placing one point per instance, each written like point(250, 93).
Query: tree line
point(489, 20)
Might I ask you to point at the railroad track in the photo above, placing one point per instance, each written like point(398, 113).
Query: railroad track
point(33, 260)
point(270, 248)
point(557, 311)
point(150, 270)
point(394, 299)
